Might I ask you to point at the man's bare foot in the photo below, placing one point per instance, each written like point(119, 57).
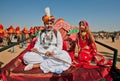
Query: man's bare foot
point(28, 67)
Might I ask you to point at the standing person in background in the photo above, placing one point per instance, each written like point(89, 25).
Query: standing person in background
point(24, 36)
point(31, 33)
point(48, 45)
point(18, 33)
point(113, 37)
point(1, 34)
point(22, 45)
point(13, 40)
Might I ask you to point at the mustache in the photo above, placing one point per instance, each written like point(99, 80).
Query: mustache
point(49, 27)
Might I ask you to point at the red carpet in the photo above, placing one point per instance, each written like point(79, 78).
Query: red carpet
point(72, 74)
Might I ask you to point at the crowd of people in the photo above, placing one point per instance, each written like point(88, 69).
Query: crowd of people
point(107, 35)
point(15, 34)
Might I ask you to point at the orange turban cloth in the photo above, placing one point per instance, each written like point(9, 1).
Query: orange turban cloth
point(17, 30)
point(25, 31)
point(5, 32)
point(1, 31)
point(1, 26)
point(31, 30)
point(46, 18)
point(11, 31)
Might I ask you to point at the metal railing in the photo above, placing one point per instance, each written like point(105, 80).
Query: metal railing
point(16, 43)
point(114, 73)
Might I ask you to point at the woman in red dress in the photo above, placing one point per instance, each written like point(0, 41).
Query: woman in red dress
point(87, 47)
point(86, 44)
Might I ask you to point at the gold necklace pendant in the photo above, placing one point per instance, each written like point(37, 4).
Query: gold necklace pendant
point(49, 36)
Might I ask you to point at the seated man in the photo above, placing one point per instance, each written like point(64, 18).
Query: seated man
point(47, 52)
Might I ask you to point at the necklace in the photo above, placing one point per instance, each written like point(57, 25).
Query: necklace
point(48, 37)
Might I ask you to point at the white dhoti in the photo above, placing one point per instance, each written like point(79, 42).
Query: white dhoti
point(48, 64)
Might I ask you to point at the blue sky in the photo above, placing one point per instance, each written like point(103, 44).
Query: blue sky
point(100, 14)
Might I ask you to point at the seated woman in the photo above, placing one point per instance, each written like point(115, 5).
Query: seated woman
point(88, 49)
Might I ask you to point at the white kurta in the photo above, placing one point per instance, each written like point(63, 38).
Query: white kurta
point(49, 64)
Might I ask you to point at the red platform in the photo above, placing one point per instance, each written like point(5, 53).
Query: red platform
point(72, 74)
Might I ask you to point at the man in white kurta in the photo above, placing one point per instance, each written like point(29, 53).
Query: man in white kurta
point(48, 44)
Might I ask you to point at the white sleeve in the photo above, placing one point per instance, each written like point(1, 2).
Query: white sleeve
point(59, 40)
point(38, 44)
